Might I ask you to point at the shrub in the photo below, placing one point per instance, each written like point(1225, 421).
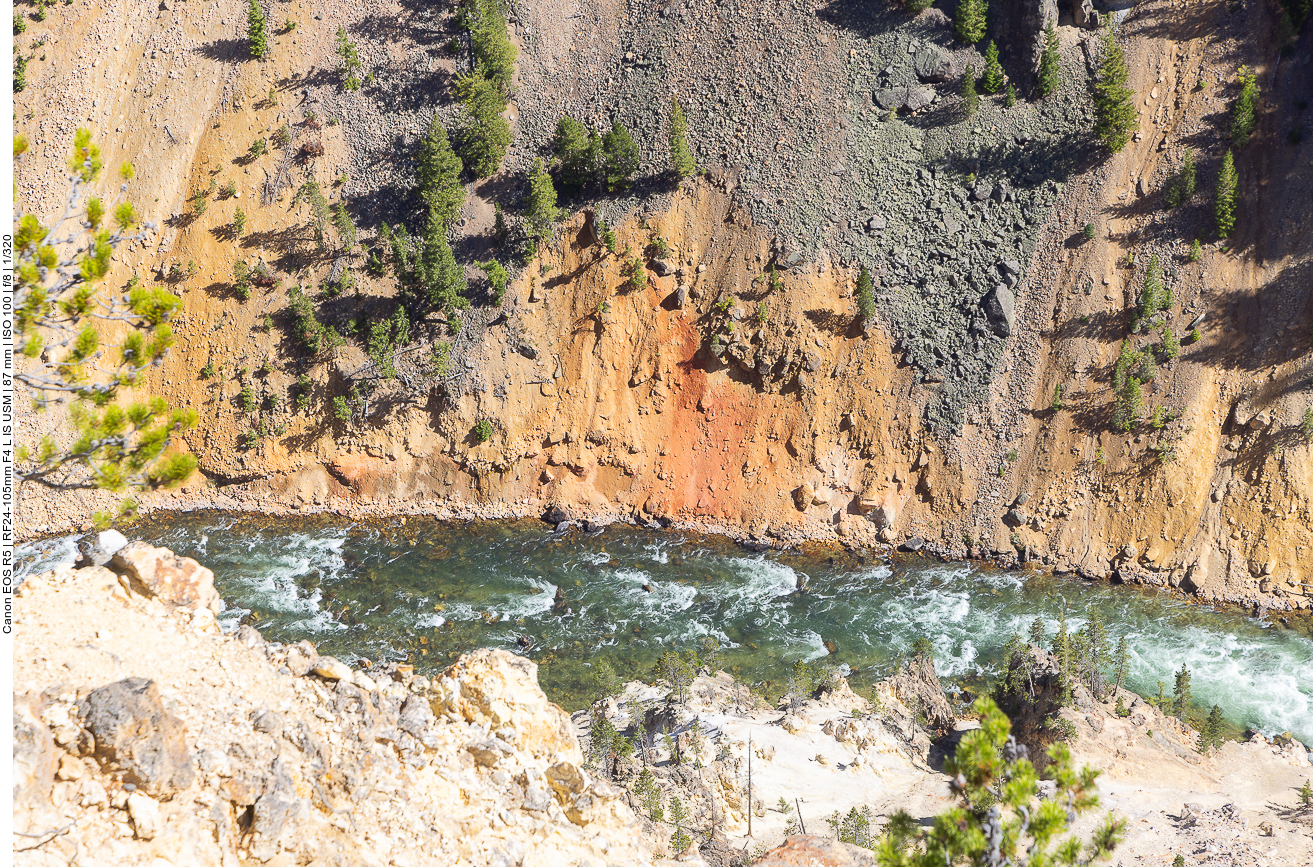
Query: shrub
point(1196, 251)
point(341, 409)
point(992, 79)
point(621, 157)
point(1050, 64)
point(259, 148)
point(1114, 102)
point(681, 158)
point(970, 20)
point(1306, 425)
point(239, 222)
point(635, 276)
point(1188, 181)
point(281, 136)
point(916, 7)
point(256, 39)
point(20, 24)
point(497, 279)
point(1171, 345)
point(483, 430)
point(1242, 114)
point(1057, 398)
point(248, 440)
point(1224, 203)
point(346, 49)
point(763, 314)
point(313, 148)
point(864, 295)
point(1009, 97)
point(1089, 231)
point(1129, 408)
point(246, 400)
point(302, 389)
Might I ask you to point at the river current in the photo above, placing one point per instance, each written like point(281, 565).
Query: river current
point(429, 591)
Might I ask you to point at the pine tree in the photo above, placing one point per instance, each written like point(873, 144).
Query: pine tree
point(1181, 698)
point(1050, 64)
point(1210, 733)
point(992, 80)
point(970, 20)
point(1009, 96)
point(574, 149)
point(1039, 636)
point(346, 49)
point(256, 38)
point(916, 7)
point(679, 841)
point(1114, 102)
point(1130, 406)
point(1062, 649)
point(1305, 794)
point(1095, 644)
point(540, 204)
point(1152, 297)
point(1242, 114)
point(485, 135)
point(864, 295)
point(437, 174)
point(1189, 182)
point(494, 53)
point(443, 276)
point(621, 154)
point(1224, 204)
point(970, 99)
point(1123, 663)
point(681, 158)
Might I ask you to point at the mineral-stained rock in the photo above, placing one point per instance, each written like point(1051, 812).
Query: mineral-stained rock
point(331, 669)
point(158, 572)
point(137, 738)
point(301, 657)
point(662, 268)
point(808, 851)
point(278, 813)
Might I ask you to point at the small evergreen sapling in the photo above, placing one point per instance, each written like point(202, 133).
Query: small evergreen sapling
point(681, 158)
point(257, 39)
point(1050, 64)
point(1114, 102)
point(970, 98)
point(1224, 203)
point(1242, 114)
point(992, 80)
point(864, 295)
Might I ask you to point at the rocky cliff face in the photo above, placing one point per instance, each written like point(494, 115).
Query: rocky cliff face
point(973, 411)
point(143, 736)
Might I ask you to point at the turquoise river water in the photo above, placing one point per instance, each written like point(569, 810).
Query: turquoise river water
point(429, 591)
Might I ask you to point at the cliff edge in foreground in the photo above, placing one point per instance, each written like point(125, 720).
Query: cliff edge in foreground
point(143, 736)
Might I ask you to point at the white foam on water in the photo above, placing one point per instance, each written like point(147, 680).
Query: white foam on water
point(33, 558)
point(430, 621)
point(814, 647)
point(596, 558)
point(666, 596)
point(529, 604)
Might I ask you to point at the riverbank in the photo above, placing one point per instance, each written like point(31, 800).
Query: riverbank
point(263, 752)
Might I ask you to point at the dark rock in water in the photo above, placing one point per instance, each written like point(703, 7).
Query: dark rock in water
point(912, 545)
point(525, 641)
point(557, 514)
point(136, 738)
point(647, 588)
point(831, 647)
point(1000, 309)
point(558, 601)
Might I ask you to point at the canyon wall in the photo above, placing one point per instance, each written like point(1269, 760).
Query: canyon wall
point(717, 395)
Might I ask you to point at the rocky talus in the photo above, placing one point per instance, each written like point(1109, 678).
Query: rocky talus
point(143, 736)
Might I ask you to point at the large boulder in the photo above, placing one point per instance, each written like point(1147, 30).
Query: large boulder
point(933, 64)
point(136, 738)
point(916, 684)
point(500, 689)
point(159, 573)
point(912, 97)
point(1000, 309)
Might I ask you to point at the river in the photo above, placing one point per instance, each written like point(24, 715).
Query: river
point(429, 591)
